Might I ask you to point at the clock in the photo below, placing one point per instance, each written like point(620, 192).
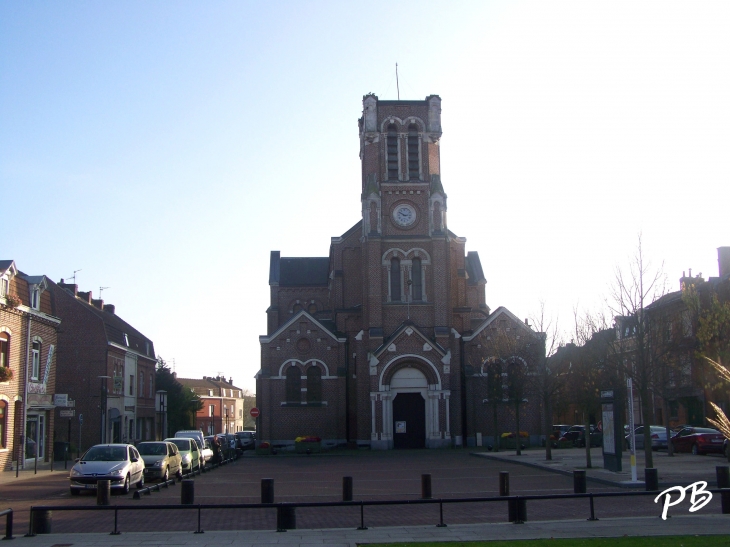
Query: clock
point(404, 215)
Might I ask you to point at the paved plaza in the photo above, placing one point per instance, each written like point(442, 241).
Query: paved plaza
point(376, 476)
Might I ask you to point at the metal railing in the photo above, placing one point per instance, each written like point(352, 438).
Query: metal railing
point(517, 507)
point(8, 514)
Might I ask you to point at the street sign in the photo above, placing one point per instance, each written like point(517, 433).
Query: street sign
point(81, 418)
point(254, 412)
point(60, 399)
point(68, 413)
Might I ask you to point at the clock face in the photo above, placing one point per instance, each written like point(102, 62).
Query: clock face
point(404, 215)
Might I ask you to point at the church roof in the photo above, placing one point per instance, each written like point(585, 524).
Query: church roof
point(298, 271)
point(474, 268)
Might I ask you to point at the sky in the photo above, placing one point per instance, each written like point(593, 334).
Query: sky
point(164, 149)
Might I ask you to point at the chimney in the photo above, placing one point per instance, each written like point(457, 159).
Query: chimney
point(85, 296)
point(723, 260)
point(109, 308)
point(230, 380)
point(174, 375)
point(98, 303)
point(70, 287)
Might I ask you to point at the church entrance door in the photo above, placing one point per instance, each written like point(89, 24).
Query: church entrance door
point(409, 421)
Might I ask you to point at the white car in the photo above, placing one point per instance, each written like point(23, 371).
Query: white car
point(119, 463)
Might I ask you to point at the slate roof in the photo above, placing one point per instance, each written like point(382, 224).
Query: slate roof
point(201, 386)
point(474, 268)
point(298, 272)
point(4, 265)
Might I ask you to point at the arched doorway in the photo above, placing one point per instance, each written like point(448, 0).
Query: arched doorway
point(409, 386)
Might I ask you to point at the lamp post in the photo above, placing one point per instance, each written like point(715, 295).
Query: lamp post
point(161, 403)
point(103, 409)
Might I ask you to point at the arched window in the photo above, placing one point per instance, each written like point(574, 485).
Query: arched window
point(293, 385)
point(494, 382)
point(314, 385)
point(417, 286)
point(3, 424)
point(312, 309)
point(413, 156)
point(395, 295)
point(4, 349)
point(392, 152)
point(297, 308)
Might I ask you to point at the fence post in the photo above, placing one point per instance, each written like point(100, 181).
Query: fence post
point(187, 493)
point(286, 518)
point(267, 490)
point(579, 481)
point(42, 522)
point(9, 525)
point(504, 483)
point(651, 479)
point(346, 488)
point(426, 486)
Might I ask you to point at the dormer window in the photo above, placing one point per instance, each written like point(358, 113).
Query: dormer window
point(35, 298)
point(4, 286)
point(414, 156)
point(392, 152)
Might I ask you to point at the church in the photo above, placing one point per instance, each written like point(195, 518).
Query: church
point(388, 342)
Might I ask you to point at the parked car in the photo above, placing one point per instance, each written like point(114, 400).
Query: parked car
point(245, 440)
point(161, 459)
point(658, 437)
point(206, 451)
point(119, 463)
point(189, 452)
point(698, 440)
point(576, 434)
point(228, 444)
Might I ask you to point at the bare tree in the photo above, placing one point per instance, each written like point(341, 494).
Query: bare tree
point(632, 290)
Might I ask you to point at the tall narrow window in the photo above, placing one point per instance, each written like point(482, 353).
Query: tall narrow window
point(131, 384)
point(36, 361)
point(417, 286)
point(3, 423)
point(395, 280)
point(152, 385)
point(314, 385)
point(413, 156)
point(140, 391)
point(4, 284)
point(392, 151)
point(35, 298)
point(4, 349)
point(293, 385)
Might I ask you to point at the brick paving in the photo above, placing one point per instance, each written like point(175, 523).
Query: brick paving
point(376, 476)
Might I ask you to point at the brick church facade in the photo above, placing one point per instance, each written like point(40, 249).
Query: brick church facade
point(388, 341)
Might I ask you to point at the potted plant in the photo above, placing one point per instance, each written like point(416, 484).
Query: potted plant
point(307, 445)
point(509, 441)
point(263, 448)
point(12, 300)
point(6, 374)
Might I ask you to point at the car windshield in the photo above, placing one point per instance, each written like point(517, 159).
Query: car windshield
point(105, 454)
point(182, 444)
point(152, 449)
point(244, 434)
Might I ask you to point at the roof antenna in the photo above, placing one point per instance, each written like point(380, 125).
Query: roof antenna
point(74, 276)
point(397, 86)
point(101, 289)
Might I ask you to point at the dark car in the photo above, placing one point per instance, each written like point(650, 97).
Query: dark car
point(698, 440)
point(245, 440)
point(576, 434)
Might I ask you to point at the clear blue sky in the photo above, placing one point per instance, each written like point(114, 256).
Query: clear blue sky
point(165, 148)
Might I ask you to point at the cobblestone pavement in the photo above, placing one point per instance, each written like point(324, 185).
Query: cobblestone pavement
point(376, 476)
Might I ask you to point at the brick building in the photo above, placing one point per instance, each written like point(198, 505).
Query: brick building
point(384, 342)
point(28, 342)
point(107, 367)
point(223, 404)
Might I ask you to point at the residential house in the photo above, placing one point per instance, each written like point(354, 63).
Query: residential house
point(223, 409)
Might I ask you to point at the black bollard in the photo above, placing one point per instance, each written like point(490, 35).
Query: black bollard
point(187, 493)
point(426, 486)
point(103, 492)
point(579, 481)
point(723, 476)
point(504, 483)
point(346, 488)
point(517, 511)
point(651, 479)
point(267, 490)
point(42, 522)
point(725, 501)
point(286, 518)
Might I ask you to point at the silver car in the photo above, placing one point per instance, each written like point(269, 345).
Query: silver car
point(119, 463)
point(658, 437)
point(161, 459)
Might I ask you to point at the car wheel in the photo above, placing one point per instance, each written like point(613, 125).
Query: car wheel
point(125, 488)
point(140, 484)
point(166, 475)
point(75, 492)
point(695, 449)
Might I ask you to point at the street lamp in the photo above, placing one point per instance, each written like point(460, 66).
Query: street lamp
point(102, 409)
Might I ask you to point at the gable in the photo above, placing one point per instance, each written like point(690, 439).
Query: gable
point(293, 321)
point(500, 314)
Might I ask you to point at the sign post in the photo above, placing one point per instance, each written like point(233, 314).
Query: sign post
point(78, 448)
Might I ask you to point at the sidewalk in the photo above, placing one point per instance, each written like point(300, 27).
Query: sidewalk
point(680, 469)
point(44, 470)
point(653, 526)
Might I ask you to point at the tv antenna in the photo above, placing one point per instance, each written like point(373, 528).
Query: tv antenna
point(101, 289)
point(397, 85)
point(74, 275)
